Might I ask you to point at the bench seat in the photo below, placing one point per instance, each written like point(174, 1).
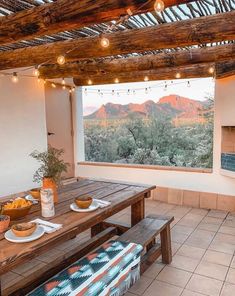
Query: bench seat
point(145, 232)
point(110, 270)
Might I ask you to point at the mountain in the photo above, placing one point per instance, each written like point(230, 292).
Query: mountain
point(173, 106)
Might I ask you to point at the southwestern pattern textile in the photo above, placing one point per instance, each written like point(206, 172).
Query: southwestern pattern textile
point(110, 270)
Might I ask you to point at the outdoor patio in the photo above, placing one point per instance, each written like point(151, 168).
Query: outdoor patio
point(203, 245)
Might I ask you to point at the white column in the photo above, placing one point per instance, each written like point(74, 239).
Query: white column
point(79, 148)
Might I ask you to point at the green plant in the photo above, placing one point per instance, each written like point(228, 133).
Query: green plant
point(51, 164)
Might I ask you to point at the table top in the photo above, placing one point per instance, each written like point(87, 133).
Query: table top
point(120, 194)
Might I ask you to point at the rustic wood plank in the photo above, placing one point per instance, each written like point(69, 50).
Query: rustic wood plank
point(150, 257)
point(201, 30)
point(63, 16)
point(120, 226)
point(166, 245)
point(137, 212)
point(141, 63)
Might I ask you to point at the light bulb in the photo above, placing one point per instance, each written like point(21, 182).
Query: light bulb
point(53, 85)
point(70, 91)
point(159, 5)
point(64, 87)
point(15, 78)
point(36, 71)
point(188, 84)
point(44, 81)
point(73, 89)
point(61, 60)
point(146, 78)
point(146, 91)
point(104, 42)
point(211, 70)
point(178, 75)
point(63, 81)
point(89, 81)
point(39, 80)
point(116, 80)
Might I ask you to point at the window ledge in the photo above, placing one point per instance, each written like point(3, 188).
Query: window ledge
point(149, 167)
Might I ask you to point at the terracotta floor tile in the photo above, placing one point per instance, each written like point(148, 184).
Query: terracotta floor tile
point(158, 288)
point(190, 293)
point(222, 247)
point(229, 222)
point(175, 247)
point(217, 257)
point(212, 220)
point(185, 263)
point(231, 276)
point(217, 214)
point(204, 285)
point(201, 212)
point(153, 271)
point(228, 290)
point(178, 237)
point(200, 238)
point(233, 262)
point(174, 276)
point(140, 286)
point(227, 230)
point(191, 252)
point(183, 229)
point(212, 270)
point(207, 226)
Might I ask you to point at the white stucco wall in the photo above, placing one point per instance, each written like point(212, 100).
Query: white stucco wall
point(22, 130)
point(212, 182)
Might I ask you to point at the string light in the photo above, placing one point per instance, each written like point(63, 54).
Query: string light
point(89, 81)
point(104, 41)
point(63, 81)
point(146, 78)
point(73, 89)
point(128, 92)
point(63, 87)
point(113, 92)
point(14, 78)
point(178, 75)
point(44, 81)
point(211, 70)
point(159, 6)
point(53, 85)
point(61, 60)
point(165, 87)
point(146, 91)
point(70, 90)
point(39, 80)
point(188, 84)
point(116, 80)
point(36, 71)
point(86, 91)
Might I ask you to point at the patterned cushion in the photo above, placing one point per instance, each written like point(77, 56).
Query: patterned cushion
point(110, 270)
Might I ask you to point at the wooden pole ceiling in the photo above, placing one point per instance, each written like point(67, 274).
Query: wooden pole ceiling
point(140, 63)
point(64, 15)
point(192, 71)
point(201, 30)
point(225, 69)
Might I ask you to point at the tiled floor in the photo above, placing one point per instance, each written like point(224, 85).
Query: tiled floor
point(203, 244)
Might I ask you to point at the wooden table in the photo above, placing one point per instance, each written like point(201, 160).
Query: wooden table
point(120, 194)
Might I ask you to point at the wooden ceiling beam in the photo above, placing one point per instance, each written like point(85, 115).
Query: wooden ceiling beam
point(214, 28)
point(226, 69)
point(141, 63)
point(192, 71)
point(64, 15)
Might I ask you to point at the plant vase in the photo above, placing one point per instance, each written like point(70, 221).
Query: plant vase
point(50, 183)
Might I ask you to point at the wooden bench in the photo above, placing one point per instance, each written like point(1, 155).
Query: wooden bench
point(145, 233)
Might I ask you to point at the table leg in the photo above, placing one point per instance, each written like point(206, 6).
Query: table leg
point(137, 212)
point(96, 229)
point(166, 245)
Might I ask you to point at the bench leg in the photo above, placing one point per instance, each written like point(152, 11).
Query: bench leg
point(166, 245)
point(137, 212)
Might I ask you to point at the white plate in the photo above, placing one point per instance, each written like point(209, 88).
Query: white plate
point(94, 206)
point(11, 237)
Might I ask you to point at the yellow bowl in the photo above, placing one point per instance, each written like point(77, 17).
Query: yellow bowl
point(84, 201)
point(35, 192)
point(24, 229)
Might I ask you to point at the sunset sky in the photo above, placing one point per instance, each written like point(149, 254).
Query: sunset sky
point(92, 100)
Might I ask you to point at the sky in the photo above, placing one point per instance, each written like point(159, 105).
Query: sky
point(95, 96)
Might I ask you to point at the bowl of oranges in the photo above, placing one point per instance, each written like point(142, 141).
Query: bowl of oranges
point(17, 208)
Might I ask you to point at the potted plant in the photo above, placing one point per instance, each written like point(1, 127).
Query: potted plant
point(52, 166)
